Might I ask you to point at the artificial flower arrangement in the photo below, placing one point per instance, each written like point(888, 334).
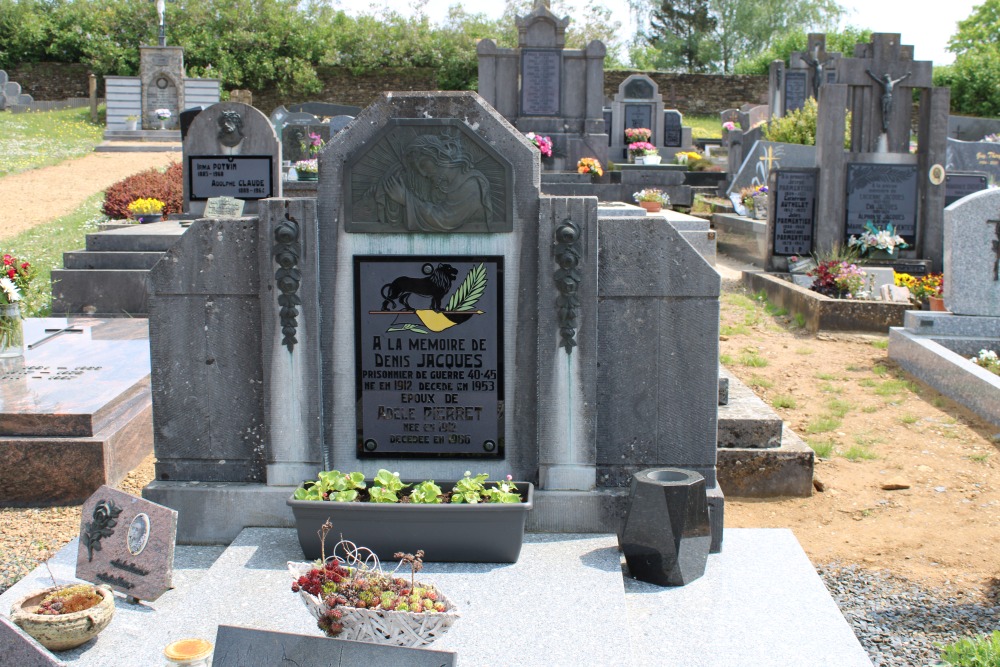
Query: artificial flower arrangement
point(992, 138)
point(589, 165)
point(748, 193)
point(162, 114)
point(634, 134)
point(921, 287)
point(544, 144)
point(838, 278)
point(684, 157)
point(14, 282)
point(146, 206)
point(353, 598)
point(642, 149)
point(313, 144)
point(310, 165)
point(877, 239)
point(729, 125)
point(987, 359)
point(653, 195)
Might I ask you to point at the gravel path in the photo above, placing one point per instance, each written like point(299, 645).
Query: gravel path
point(901, 623)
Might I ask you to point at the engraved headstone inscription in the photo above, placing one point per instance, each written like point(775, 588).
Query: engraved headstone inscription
point(982, 156)
point(794, 211)
point(243, 176)
point(672, 128)
point(540, 85)
point(429, 367)
point(961, 184)
point(127, 543)
point(246, 647)
point(796, 90)
point(882, 194)
point(639, 115)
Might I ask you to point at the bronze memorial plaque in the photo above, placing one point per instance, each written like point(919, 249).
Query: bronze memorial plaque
point(429, 356)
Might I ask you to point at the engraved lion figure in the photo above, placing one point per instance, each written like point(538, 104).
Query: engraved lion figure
point(435, 284)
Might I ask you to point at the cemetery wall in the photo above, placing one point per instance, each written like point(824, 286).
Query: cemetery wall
point(690, 93)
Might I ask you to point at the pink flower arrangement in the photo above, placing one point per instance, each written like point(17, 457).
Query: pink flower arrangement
point(729, 125)
point(641, 148)
point(634, 134)
point(544, 144)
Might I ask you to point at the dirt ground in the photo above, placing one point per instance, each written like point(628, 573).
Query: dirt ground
point(40, 195)
point(839, 391)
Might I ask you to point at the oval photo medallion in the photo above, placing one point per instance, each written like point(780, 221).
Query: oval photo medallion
point(138, 534)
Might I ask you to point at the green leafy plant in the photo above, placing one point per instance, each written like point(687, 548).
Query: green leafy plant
point(799, 126)
point(471, 490)
point(427, 493)
point(980, 651)
point(386, 487)
point(333, 485)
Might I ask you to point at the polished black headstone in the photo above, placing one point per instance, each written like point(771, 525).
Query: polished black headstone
point(672, 128)
point(961, 184)
point(796, 91)
point(665, 536)
point(607, 124)
point(982, 156)
point(246, 647)
point(882, 194)
point(639, 89)
point(186, 117)
point(794, 211)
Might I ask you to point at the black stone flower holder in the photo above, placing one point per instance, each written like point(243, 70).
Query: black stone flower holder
point(666, 535)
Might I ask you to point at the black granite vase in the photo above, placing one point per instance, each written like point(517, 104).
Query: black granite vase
point(666, 535)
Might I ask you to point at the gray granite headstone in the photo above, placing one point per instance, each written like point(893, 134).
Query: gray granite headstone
point(794, 211)
point(972, 255)
point(796, 90)
point(246, 647)
point(231, 150)
point(20, 649)
point(127, 543)
point(768, 155)
point(338, 123)
point(981, 156)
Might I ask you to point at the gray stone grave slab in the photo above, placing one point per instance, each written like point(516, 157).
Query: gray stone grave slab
point(796, 90)
point(21, 650)
point(981, 156)
point(673, 123)
point(247, 647)
point(961, 184)
point(231, 150)
point(882, 194)
point(972, 255)
point(767, 155)
point(127, 543)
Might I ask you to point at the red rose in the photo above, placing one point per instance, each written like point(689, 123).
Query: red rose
point(7, 259)
point(25, 266)
point(11, 273)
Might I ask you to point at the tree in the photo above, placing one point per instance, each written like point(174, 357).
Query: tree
point(682, 31)
point(975, 76)
point(842, 41)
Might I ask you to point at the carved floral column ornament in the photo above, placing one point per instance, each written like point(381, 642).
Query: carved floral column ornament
point(567, 278)
point(287, 278)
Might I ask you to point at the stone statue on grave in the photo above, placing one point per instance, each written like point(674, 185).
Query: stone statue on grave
point(436, 188)
point(888, 84)
point(819, 70)
point(161, 9)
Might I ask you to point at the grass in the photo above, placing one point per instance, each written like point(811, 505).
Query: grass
point(44, 245)
point(826, 376)
point(759, 382)
point(704, 127)
point(881, 344)
point(909, 419)
point(734, 330)
point(784, 401)
point(979, 458)
point(858, 452)
point(823, 424)
point(750, 358)
point(839, 408)
point(33, 140)
point(799, 320)
point(726, 359)
point(880, 370)
point(822, 448)
point(893, 387)
point(866, 440)
point(979, 651)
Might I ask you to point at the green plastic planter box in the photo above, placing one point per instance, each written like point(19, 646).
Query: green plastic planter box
point(481, 533)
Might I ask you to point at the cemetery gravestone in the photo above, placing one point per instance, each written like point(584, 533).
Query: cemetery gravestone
point(981, 156)
point(161, 71)
point(789, 86)
point(958, 185)
point(765, 156)
point(882, 194)
point(673, 123)
point(127, 543)
point(638, 104)
point(20, 649)
point(792, 195)
point(972, 256)
point(231, 151)
point(540, 78)
point(246, 647)
point(296, 139)
point(796, 90)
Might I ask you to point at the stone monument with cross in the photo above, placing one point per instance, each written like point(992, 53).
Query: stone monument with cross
point(638, 103)
point(878, 179)
point(545, 88)
point(790, 86)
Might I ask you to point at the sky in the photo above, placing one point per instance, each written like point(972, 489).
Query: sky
point(928, 31)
